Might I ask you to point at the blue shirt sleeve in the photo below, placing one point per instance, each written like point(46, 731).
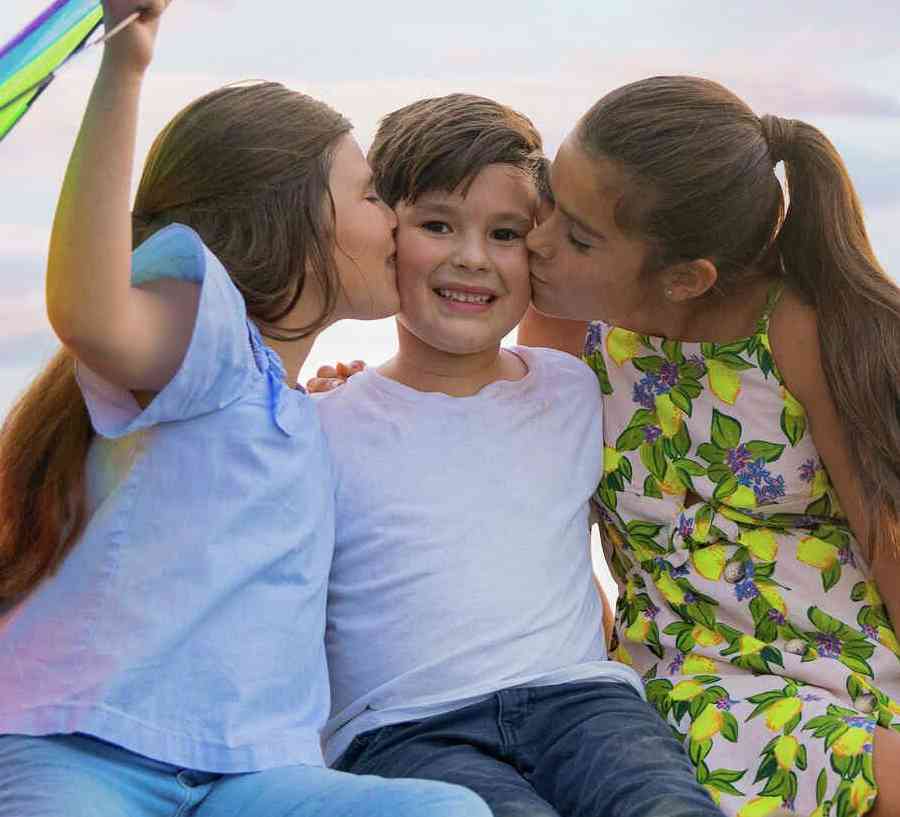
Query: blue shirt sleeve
point(219, 363)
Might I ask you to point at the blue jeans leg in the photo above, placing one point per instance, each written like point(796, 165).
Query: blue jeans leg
point(79, 776)
point(423, 750)
point(605, 751)
point(309, 791)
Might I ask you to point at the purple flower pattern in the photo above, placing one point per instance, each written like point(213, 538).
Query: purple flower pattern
point(754, 474)
point(652, 433)
point(685, 526)
point(651, 385)
point(770, 478)
point(808, 469)
point(828, 646)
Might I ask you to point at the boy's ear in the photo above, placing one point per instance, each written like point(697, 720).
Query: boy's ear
point(689, 279)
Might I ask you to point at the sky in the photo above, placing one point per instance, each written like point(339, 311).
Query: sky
point(830, 63)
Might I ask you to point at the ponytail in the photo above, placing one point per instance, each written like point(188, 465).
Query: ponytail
point(43, 447)
point(702, 185)
point(826, 255)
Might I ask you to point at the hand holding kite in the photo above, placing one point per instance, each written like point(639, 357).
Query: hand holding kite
point(132, 27)
point(33, 58)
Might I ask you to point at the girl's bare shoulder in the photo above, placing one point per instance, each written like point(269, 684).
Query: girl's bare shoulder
point(794, 341)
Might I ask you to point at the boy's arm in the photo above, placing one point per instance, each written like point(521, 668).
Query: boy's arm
point(537, 329)
point(609, 618)
point(134, 337)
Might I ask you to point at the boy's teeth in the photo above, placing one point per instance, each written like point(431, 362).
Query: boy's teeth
point(465, 297)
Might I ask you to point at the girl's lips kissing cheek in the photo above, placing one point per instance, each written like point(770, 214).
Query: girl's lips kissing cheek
point(466, 300)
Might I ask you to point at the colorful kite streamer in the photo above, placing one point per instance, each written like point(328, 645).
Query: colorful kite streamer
point(29, 62)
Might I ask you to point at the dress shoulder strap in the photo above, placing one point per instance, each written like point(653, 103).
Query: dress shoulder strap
point(772, 299)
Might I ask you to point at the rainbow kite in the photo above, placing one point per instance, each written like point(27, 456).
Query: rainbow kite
point(30, 61)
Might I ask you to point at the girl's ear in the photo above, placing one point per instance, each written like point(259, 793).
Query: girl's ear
point(689, 279)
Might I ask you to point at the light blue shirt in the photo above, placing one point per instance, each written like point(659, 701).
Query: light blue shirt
point(187, 623)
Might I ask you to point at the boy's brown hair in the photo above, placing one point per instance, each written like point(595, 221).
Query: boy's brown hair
point(443, 143)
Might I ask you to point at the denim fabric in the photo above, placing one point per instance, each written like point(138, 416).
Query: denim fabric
point(593, 749)
point(80, 776)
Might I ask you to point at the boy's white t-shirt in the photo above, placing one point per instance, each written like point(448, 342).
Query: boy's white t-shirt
point(462, 562)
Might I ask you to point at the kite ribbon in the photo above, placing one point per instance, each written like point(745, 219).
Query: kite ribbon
point(31, 60)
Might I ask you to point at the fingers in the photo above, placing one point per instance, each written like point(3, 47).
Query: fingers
point(320, 385)
point(329, 378)
point(120, 14)
point(151, 9)
point(343, 370)
point(350, 369)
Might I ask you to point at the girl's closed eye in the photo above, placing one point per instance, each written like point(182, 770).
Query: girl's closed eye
point(580, 246)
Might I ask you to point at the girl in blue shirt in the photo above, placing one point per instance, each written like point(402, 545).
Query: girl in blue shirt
point(168, 517)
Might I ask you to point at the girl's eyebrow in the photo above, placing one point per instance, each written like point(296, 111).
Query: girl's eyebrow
point(578, 222)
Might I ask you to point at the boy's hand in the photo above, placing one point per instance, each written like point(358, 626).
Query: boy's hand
point(329, 378)
point(132, 48)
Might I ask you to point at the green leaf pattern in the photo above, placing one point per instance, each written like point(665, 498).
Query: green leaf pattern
point(747, 609)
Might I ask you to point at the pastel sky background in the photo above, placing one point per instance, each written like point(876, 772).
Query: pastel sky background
point(835, 64)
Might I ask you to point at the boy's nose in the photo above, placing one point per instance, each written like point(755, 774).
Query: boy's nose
point(471, 255)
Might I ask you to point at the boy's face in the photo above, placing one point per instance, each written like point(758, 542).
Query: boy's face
point(462, 263)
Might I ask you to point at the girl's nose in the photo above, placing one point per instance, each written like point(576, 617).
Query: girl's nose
point(391, 215)
point(539, 241)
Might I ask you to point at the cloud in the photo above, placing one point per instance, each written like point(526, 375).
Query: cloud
point(18, 240)
point(22, 315)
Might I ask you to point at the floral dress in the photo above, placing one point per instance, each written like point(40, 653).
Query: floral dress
point(749, 610)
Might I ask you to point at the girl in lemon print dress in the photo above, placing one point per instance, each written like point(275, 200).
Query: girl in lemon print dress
point(749, 360)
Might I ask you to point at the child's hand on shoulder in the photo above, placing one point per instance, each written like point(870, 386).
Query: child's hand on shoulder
point(132, 47)
point(329, 378)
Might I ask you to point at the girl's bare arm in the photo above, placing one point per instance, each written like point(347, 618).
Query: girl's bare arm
point(135, 337)
point(794, 337)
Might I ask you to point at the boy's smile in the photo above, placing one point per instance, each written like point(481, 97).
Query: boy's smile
point(462, 263)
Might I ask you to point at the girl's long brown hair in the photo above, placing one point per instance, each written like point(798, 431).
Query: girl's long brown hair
point(247, 167)
point(702, 166)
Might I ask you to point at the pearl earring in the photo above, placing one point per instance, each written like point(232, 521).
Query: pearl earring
point(669, 294)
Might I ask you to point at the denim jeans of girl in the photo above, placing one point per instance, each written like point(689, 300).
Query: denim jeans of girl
point(79, 776)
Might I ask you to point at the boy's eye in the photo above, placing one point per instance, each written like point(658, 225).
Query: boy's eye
point(436, 227)
point(578, 245)
point(506, 234)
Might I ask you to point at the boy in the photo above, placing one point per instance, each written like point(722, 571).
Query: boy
point(463, 625)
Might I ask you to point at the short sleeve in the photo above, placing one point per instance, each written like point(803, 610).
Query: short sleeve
point(218, 365)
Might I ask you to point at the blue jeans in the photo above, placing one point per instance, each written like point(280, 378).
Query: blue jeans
point(592, 749)
point(78, 776)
